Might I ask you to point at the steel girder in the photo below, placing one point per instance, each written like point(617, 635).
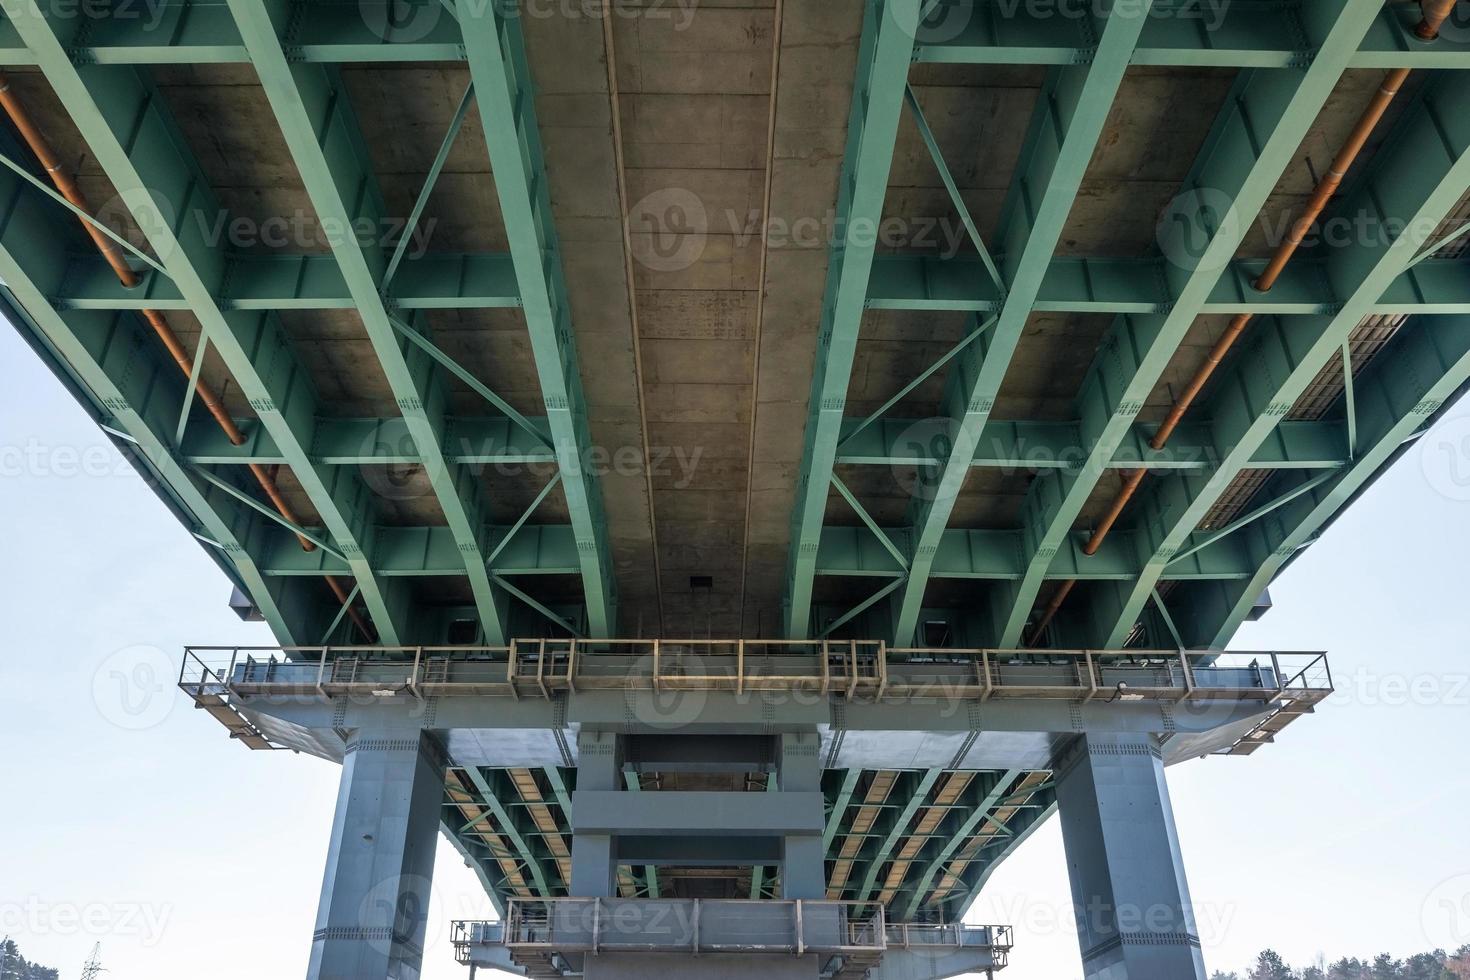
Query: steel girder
point(1018, 445)
point(953, 832)
point(916, 787)
point(883, 62)
point(1068, 121)
point(110, 354)
point(1155, 285)
point(326, 144)
point(134, 139)
point(1421, 174)
point(304, 282)
point(1238, 36)
point(899, 282)
point(184, 33)
point(1184, 33)
point(433, 551)
point(1394, 398)
point(995, 555)
point(1244, 167)
point(476, 442)
point(506, 101)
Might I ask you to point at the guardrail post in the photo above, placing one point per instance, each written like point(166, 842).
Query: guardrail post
point(800, 931)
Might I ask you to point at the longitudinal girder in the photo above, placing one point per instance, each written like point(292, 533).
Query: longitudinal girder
point(237, 297)
point(1155, 302)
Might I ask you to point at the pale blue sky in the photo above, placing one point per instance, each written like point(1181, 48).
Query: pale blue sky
point(128, 817)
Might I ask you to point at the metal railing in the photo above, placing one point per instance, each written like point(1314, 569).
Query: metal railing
point(797, 927)
point(853, 669)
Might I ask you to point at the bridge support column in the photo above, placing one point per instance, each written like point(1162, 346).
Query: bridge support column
point(380, 862)
point(594, 855)
point(1134, 918)
point(803, 868)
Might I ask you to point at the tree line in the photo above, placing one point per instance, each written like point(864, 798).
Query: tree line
point(1435, 965)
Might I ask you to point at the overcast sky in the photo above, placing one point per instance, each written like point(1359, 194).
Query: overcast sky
point(129, 818)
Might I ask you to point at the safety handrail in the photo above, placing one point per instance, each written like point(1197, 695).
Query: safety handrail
point(846, 668)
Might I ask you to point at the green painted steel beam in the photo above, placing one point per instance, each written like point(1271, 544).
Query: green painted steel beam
point(884, 56)
point(1181, 33)
point(650, 872)
point(118, 362)
point(1396, 396)
point(1030, 820)
point(181, 33)
point(433, 551)
point(134, 139)
point(1075, 284)
point(1068, 121)
point(425, 281)
point(917, 792)
point(839, 807)
point(475, 442)
point(516, 828)
point(1417, 180)
point(955, 832)
point(1252, 142)
point(995, 555)
point(505, 98)
point(316, 119)
point(1066, 446)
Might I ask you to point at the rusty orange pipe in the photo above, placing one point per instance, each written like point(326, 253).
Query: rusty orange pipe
point(1434, 14)
point(67, 187)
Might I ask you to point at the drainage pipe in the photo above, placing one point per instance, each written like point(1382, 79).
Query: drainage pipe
point(1434, 14)
point(40, 146)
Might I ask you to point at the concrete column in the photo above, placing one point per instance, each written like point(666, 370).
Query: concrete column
point(1134, 917)
point(594, 857)
point(803, 864)
point(380, 863)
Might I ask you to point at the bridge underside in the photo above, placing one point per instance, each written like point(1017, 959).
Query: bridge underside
point(452, 322)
